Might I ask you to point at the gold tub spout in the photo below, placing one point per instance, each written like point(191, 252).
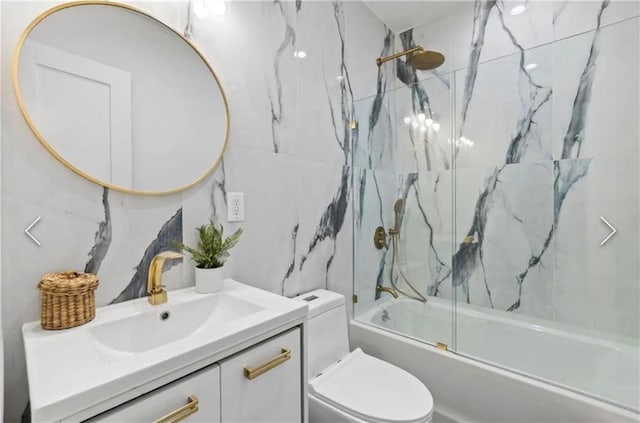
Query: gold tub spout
point(157, 294)
point(393, 292)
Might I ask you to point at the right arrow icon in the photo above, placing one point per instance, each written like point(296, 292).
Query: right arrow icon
point(613, 230)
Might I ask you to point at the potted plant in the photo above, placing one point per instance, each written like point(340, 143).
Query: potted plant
point(211, 253)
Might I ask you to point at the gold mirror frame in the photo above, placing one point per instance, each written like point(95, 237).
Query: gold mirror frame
point(54, 153)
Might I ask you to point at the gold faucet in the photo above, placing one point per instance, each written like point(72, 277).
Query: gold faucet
point(392, 291)
point(157, 294)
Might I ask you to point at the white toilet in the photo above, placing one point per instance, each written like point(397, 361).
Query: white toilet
point(353, 386)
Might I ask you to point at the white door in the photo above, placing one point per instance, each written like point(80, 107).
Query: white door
point(96, 96)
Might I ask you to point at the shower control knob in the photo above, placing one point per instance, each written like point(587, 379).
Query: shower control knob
point(380, 238)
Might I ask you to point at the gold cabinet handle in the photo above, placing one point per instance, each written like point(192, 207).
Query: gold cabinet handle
point(252, 373)
point(181, 413)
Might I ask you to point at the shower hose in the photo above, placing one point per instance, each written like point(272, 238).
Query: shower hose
point(394, 257)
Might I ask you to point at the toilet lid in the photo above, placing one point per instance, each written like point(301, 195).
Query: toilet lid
point(373, 390)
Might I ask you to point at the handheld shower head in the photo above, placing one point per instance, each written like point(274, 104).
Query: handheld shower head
point(397, 207)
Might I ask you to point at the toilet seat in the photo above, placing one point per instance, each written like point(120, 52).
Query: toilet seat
point(373, 390)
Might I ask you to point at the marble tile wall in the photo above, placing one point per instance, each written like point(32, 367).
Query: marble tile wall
point(526, 160)
point(290, 152)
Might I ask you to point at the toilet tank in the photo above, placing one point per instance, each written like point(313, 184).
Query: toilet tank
point(327, 336)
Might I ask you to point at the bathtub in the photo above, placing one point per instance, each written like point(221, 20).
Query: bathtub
point(558, 375)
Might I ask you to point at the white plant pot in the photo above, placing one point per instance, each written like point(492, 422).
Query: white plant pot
point(209, 280)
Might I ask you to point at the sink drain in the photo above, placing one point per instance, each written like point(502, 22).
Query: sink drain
point(165, 315)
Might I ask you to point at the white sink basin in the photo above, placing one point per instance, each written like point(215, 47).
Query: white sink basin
point(166, 323)
point(129, 345)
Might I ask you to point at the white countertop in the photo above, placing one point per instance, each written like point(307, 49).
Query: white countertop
point(68, 374)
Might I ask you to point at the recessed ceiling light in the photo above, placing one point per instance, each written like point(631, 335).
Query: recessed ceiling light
point(218, 7)
point(300, 54)
point(531, 66)
point(518, 10)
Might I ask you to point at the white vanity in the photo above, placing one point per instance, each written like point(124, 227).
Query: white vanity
point(238, 355)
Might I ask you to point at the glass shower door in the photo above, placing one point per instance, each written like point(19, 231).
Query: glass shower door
point(553, 154)
point(403, 181)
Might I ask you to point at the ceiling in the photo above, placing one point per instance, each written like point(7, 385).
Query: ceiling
point(400, 15)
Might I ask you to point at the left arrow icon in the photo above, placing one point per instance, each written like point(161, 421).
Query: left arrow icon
point(29, 234)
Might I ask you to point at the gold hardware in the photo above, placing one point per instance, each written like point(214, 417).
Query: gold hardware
point(354, 124)
point(252, 373)
point(394, 234)
point(380, 238)
point(418, 58)
point(468, 239)
point(354, 298)
point(54, 153)
point(181, 413)
point(155, 289)
point(381, 60)
point(392, 291)
point(442, 347)
point(397, 209)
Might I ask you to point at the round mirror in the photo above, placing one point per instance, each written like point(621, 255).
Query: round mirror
point(120, 98)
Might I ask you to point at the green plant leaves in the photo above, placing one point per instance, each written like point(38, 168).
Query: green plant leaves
point(212, 250)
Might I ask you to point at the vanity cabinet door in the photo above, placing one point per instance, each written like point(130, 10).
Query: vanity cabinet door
point(194, 398)
point(263, 383)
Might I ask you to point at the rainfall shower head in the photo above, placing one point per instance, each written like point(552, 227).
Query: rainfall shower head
point(425, 60)
point(418, 58)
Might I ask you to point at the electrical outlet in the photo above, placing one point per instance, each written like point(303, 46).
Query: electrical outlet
point(235, 206)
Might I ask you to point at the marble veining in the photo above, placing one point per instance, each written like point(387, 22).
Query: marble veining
point(442, 271)
point(269, 98)
point(470, 253)
point(517, 147)
point(482, 10)
point(288, 42)
point(292, 266)
point(575, 134)
point(170, 232)
point(382, 85)
point(188, 27)
point(562, 184)
point(218, 192)
point(575, 170)
point(373, 119)
point(420, 101)
point(559, 7)
point(333, 218)
point(102, 238)
point(513, 273)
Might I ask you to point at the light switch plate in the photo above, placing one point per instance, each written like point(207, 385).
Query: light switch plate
point(235, 206)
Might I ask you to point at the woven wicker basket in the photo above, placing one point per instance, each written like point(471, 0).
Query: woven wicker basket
point(67, 299)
